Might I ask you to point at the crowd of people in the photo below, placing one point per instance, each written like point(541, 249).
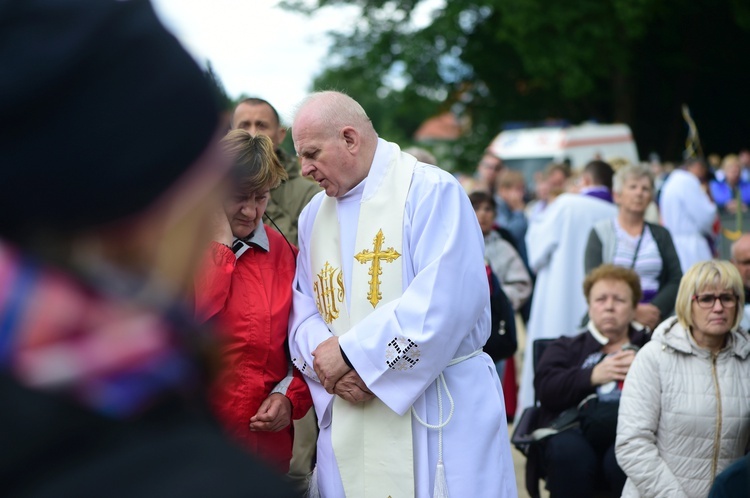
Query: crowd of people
point(195, 311)
point(642, 243)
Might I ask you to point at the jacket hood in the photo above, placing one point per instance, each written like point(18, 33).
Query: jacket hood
point(674, 335)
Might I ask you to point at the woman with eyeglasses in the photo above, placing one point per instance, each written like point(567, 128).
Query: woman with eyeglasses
point(685, 408)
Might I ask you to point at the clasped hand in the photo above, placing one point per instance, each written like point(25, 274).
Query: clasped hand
point(274, 414)
point(336, 376)
point(612, 367)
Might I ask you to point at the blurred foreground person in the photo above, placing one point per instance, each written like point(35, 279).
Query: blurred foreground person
point(685, 408)
point(245, 283)
point(734, 481)
point(100, 210)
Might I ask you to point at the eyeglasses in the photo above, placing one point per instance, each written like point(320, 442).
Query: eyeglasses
point(707, 301)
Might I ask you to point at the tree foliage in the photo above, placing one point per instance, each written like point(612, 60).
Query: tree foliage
point(493, 61)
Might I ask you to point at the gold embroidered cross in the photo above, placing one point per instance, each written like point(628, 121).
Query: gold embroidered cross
point(378, 255)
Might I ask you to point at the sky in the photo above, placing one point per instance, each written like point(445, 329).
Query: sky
point(254, 46)
point(259, 49)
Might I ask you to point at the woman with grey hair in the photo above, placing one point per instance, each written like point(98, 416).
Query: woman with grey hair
point(629, 240)
point(685, 407)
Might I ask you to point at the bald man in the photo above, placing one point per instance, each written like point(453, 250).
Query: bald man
point(740, 251)
point(390, 313)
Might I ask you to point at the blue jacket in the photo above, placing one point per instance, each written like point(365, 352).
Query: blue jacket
point(722, 193)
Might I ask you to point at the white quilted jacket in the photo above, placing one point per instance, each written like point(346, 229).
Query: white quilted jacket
point(684, 414)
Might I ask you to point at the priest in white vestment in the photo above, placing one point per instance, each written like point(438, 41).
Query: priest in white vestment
point(556, 243)
point(413, 352)
point(688, 213)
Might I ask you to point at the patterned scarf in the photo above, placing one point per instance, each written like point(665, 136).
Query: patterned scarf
point(79, 340)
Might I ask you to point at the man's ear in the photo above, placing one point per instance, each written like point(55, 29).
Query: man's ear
point(282, 134)
point(352, 139)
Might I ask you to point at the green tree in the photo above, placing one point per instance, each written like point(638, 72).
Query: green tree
point(633, 61)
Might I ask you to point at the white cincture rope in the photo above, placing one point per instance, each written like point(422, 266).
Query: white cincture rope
point(441, 488)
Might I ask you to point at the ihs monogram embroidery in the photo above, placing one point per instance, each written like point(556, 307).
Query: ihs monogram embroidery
point(402, 354)
point(378, 255)
point(329, 292)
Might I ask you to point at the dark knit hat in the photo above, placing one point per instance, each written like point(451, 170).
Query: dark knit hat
point(102, 110)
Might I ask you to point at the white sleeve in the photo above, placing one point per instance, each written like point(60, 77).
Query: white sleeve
point(401, 348)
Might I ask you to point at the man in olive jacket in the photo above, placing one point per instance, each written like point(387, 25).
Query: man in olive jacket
point(255, 116)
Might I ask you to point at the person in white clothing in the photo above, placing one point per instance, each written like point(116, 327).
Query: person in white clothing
point(740, 252)
point(688, 213)
point(390, 313)
point(556, 242)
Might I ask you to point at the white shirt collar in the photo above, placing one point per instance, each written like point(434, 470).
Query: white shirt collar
point(601, 338)
point(258, 238)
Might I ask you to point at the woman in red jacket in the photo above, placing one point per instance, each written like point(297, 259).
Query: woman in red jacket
point(245, 286)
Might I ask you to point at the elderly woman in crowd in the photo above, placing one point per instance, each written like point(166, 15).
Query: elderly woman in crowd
point(245, 283)
point(594, 362)
point(504, 260)
point(685, 409)
point(628, 240)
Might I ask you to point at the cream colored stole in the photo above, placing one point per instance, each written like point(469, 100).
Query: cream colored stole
point(372, 444)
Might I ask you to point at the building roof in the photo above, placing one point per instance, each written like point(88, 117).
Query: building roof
point(441, 127)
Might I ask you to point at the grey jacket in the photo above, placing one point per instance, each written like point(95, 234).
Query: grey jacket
point(684, 414)
point(508, 267)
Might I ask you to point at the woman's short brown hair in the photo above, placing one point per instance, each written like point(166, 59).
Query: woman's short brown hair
point(612, 272)
point(255, 164)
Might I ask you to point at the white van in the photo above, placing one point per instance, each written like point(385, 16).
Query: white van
point(530, 150)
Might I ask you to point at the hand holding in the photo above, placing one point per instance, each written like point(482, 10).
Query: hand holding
point(274, 414)
point(352, 388)
point(612, 367)
point(328, 363)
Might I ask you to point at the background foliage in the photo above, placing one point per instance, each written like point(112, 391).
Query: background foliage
point(499, 61)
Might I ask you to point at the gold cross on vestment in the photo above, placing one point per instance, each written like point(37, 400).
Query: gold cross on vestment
point(378, 255)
